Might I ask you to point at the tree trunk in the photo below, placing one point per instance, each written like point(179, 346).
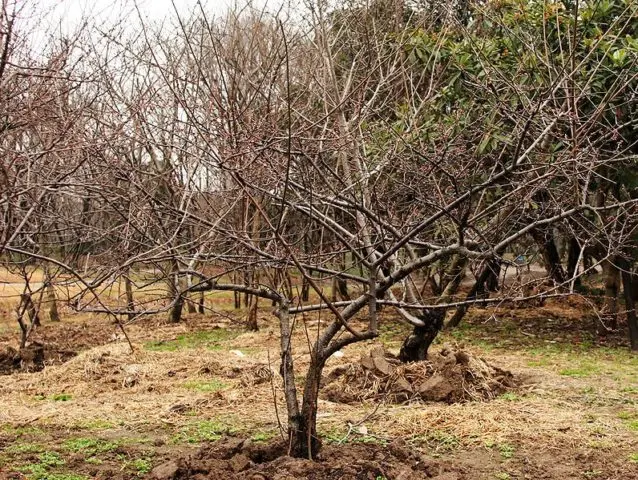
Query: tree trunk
point(191, 306)
point(415, 347)
point(573, 255)
point(305, 290)
point(630, 289)
point(54, 315)
point(27, 306)
point(175, 313)
point(489, 271)
point(551, 257)
point(340, 289)
point(305, 441)
point(201, 308)
point(252, 314)
point(130, 300)
point(610, 306)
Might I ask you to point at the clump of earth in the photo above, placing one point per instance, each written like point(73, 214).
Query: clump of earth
point(233, 458)
point(450, 375)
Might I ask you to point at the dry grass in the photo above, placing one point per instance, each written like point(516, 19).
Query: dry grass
point(171, 393)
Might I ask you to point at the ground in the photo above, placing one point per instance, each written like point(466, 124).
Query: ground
point(110, 413)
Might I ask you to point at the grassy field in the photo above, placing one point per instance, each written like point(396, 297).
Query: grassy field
point(109, 413)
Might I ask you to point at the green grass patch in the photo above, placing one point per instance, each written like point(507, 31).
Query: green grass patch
point(207, 386)
point(210, 339)
point(264, 436)
point(22, 431)
point(96, 424)
point(141, 466)
point(583, 370)
point(633, 458)
point(61, 397)
point(89, 447)
point(204, 431)
point(506, 450)
point(41, 470)
point(22, 448)
point(632, 425)
point(437, 441)
point(510, 397)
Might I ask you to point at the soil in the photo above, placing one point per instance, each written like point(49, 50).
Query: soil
point(234, 458)
point(33, 358)
point(450, 376)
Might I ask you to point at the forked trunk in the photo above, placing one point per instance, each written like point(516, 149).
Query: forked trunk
point(415, 347)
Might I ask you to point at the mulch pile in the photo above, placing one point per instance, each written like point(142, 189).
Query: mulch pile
point(448, 376)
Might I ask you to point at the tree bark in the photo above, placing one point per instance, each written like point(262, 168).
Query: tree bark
point(130, 299)
point(306, 442)
point(610, 305)
point(551, 257)
point(573, 255)
point(489, 270)
point(201, 307)
point(630, 290)
point(52, 301)
point(415, 347)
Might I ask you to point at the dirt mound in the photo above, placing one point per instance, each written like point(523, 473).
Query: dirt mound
point(242, 459)
point(32, 358)
point(448, 376)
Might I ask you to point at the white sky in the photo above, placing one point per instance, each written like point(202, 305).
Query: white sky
point(42, 17)
point(68, 14)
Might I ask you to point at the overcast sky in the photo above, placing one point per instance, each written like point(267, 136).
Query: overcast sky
point(41, 18)
point(67, 14)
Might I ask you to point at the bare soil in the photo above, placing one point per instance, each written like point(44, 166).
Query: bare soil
point(242, 459)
